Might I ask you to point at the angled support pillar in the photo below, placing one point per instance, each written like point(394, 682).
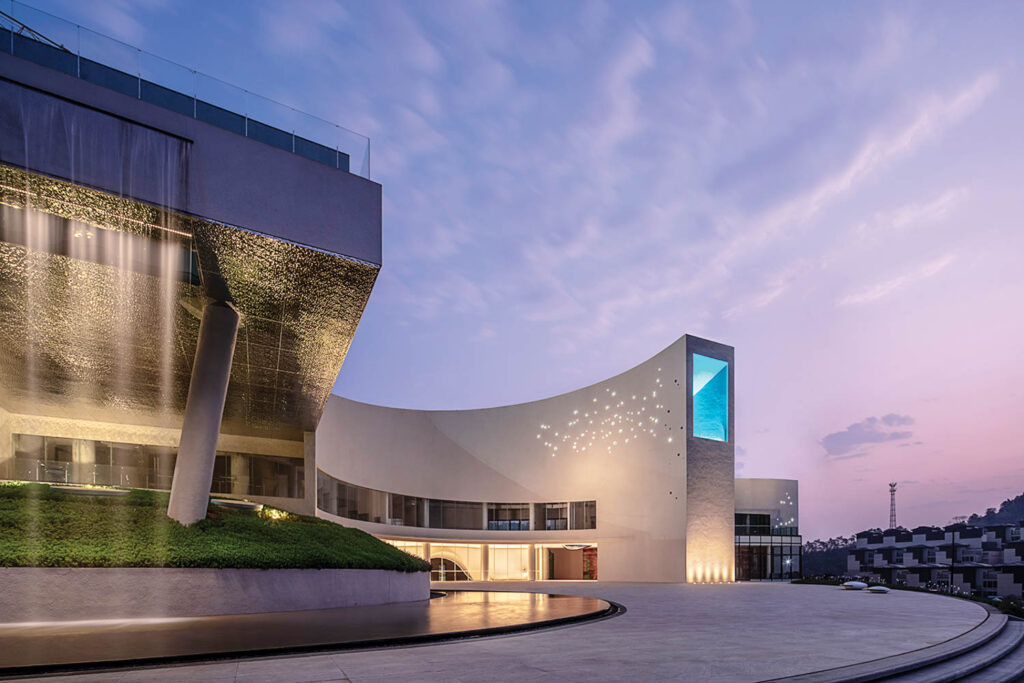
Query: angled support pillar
point(193, 470)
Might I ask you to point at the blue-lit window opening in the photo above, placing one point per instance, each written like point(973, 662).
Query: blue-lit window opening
point(710, 398)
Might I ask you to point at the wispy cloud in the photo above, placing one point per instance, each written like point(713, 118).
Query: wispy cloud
point(777, 285)
point(120, 18)
point(623, 98)
point(914, 213)
point(301, 28)
point(933, 114)
point(889, 287)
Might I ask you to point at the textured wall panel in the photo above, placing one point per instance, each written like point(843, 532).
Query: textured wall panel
point(99, 305)
point(710, 473)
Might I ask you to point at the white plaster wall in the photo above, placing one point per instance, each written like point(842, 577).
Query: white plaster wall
point(766, 496)
point(508, 454)
point(1006, 586)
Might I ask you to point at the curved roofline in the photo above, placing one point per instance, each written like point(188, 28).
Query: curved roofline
point(538, 400)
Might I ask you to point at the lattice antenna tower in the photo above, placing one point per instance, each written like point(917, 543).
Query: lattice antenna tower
point(892, 505)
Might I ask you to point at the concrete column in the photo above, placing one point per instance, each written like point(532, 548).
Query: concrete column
point(83, 461)
point(533, 562)
point(6, 446)
point(309, 472)
point(485, 562)
point(240, 474)
point(193, 471)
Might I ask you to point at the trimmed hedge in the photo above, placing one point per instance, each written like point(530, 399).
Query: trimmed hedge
point(41, 527)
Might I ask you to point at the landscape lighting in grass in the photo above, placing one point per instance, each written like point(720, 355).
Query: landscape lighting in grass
point(274, 514)
point(46, 527)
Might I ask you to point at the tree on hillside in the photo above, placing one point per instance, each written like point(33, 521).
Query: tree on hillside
point(1011, 511)
point(828, 556)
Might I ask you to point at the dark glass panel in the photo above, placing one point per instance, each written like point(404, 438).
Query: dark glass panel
point(583, 514)
point(222, 118)
point(318, 152)
point(103, 75)
point(47, 55)
point(269, 135)
point(167, 98)
point(556, 516)
point(508, 516)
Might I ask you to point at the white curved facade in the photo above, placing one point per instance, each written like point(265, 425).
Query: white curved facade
point(664, 498)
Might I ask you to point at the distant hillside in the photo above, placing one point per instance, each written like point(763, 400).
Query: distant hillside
point(1010, 512)
point(827, 557)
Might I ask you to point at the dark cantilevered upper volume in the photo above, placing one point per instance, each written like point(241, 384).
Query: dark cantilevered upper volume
point(120, 219)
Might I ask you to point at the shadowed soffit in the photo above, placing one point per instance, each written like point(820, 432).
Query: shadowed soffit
point(100, 299)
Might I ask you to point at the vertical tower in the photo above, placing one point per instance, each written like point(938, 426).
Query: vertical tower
point(710, 462)
point(892, 505)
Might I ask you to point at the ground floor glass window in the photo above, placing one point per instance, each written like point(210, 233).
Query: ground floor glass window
point(456, 561)
point(768, 558)
point(442, 569)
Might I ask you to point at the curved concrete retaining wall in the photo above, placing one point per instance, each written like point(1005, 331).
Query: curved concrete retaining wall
point(64, 594)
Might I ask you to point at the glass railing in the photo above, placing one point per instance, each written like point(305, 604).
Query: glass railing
point(264, 479)
point(77, 51)
point(31, 469)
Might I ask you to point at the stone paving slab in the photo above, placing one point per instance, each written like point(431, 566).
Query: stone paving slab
point(681, 632)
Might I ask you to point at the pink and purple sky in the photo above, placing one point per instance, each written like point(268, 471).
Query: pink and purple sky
point(835, 189)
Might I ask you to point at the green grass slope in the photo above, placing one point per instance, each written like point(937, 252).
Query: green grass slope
point(41, 527)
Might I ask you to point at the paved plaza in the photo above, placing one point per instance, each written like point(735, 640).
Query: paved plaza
point(737, 632)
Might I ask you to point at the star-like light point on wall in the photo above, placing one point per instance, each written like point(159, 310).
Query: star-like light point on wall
point(622, 420)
